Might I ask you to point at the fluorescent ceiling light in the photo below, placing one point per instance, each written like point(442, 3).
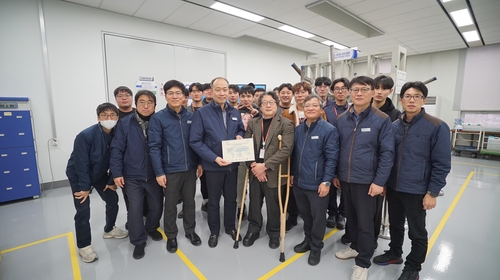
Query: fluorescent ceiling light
point(296, 31)
point(471, 36)
point(335, 45)
point(461, 17)
point(444, 1)
point(236, 12)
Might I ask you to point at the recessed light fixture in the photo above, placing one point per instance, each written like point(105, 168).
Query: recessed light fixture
point(296, 31)
point(444, 1)
point(462, 17)
point(335, 45)
point(471, 36)
point(236, 12)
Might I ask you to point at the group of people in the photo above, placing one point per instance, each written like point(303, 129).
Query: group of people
point(368, 149)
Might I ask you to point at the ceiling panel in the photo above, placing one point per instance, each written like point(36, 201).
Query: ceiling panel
point(255, 31)
point(158, 10)
point(128, 7)
point(211, 21)
point(233, 27)
point(186, 15)
point(91, 3)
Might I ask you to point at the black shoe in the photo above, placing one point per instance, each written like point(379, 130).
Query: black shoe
point(155, 235)
point(213, 240)
point(244, 213)
point(314, 257)
point(331, 221)
point(274, 242)
point(409, 274)
point(204, 207)
point(345, 239)
point(172, 245)
point(194, 238)
point(302, 247)
point(139, 251)
point(290, 223)
point(388, 257)
point(250, 238)
point(233, 234)
point(340, 222)
point(180, 215)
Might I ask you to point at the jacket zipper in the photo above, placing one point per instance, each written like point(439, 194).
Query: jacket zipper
point(401, 155)
point(183, 142)
point(301, 152)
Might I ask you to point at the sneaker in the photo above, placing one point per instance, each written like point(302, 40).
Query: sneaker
point(388, 258)
point(204, 207)
point(115, 233)
point(331, 221)
point(340, 222)
point(88, 254)
point(347, 253)
point(359, 273)
point(409, 274)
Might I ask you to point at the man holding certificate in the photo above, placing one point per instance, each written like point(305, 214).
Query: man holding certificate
point(264, 176)
point(212, 124)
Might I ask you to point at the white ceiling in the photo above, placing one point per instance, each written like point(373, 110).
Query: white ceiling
point(421, 26)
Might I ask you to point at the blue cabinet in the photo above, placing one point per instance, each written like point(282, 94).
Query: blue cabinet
point(18, 168)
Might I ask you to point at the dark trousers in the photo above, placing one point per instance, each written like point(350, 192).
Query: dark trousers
point(333, 209)
point(185, 184)
point(377, 222)
point(82, 216)
point(137, 192)
point(259, 191)
point(203, 186)
point(292, 210)
point(312, 210)
point(360, 210)
point(408, 205)
point(145, 207)
point(221, 183)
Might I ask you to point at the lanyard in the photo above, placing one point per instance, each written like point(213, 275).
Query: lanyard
point(335, 109)
point(267, 133)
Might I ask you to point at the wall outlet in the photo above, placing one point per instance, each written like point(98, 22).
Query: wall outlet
point(55, 142)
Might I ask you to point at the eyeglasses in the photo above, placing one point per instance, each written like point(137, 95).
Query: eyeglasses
point(123, 96)
point(301, 92)
point(172, 93)
point(363, 90)
point(143, 103)
point(106, 116)
point(344, 89)
point(268, 103)
point(312, 105)
point(415, 97)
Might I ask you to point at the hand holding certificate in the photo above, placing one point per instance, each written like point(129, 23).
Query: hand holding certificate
point(238, 150)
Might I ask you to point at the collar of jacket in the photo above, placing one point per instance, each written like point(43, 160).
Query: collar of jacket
point(313, 125)
point(346, 106)
point(181, 113)
point(363, 114)
point(216, 106)
point(415, 118)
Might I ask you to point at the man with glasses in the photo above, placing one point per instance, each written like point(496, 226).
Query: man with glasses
point(314, 162)
point(322, 86)
point(87, 169)
point(422, 162)
point(212, 124)
point(175, 164)
point(365, 162)
point(123, 98)
point(264, 170)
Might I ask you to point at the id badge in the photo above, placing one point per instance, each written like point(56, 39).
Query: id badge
point(261, 153)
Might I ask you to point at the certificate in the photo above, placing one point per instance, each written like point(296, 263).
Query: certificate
point(238, 150)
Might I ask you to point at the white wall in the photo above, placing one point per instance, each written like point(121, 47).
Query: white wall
point(75, 51)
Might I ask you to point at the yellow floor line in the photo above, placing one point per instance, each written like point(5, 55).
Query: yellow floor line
point(292, 259)
point(74, 257)
point(33, 243)
point(443, 221)
point(185, 259)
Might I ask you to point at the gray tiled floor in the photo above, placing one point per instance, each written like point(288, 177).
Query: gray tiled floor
point(465, 249)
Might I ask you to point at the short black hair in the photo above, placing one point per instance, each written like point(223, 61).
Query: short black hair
point(197, 85)
point(251, 85)
point(339, 80)
point(270, 93)
point(123, 89)
point(247, 90)
point(106, 107)
point(363, 80)
point(383, 81)
point(416, 85)
point(173, 83)
point(145, 92)
point(206, 86)
point(235, 88)
point(260, 90)
point(185, 91)
point(285, 85)
point(323, 80)
point(276, 89)
point(312, 96)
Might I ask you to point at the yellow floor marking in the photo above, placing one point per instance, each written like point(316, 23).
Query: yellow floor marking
point(292, 259)
point(183, 257)
point(443, 221)
point(72, 250)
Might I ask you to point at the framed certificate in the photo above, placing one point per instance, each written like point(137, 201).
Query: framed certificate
point(238, 150)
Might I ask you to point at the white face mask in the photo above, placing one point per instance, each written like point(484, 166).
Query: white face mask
point(109, 124)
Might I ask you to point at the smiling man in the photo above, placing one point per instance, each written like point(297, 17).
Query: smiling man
point(422, 148)
point(285, 95)
point(212, 124)
point(366, 159)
